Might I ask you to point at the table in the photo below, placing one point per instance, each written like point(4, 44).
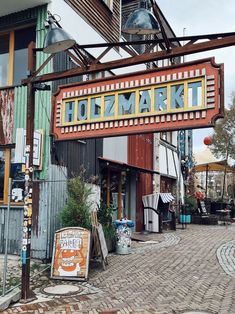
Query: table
point(224, 215)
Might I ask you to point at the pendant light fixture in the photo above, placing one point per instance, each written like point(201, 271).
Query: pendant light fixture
point(141, 22)
point(56, 39)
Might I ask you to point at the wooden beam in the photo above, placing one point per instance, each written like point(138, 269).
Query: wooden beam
point(143, 58)
point(31, 57)
point(108, 188)
point(11, 58)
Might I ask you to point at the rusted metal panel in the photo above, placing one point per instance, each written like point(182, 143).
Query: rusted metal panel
point(140, 153)
point(105, 21)
point(6, 115)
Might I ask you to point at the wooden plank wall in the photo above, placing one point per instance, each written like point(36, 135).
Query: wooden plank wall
point(99, 16)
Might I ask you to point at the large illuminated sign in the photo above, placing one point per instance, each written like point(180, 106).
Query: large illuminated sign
point(181, 97)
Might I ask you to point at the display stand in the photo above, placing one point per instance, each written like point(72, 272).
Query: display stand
point(99, 249)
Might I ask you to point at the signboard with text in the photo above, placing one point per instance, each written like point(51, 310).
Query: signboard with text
point(70, 258)
point(183, 96)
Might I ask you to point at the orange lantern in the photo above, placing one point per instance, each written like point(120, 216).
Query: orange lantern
point(207, 140)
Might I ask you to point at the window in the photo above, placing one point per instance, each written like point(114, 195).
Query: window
point(166, 136)
point(8, 168)
point(14, 55)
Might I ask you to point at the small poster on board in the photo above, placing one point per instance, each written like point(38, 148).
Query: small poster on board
point(70, 258)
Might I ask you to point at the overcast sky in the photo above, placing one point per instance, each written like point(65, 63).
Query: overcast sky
point(205, 17)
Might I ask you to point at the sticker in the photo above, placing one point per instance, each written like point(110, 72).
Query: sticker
point(25, 213)
point(30, 169)
point(30, 201)
point(26, 177)
point(27, 148)
point(23, 256)
point(25, 241)
point(25, 223)
point(25, 235)
point(25, 229)
point(24, 248)
point(30, 190)
point(29, 212)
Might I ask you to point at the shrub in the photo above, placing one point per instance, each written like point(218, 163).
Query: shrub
point(77, 211)
point(105, 217)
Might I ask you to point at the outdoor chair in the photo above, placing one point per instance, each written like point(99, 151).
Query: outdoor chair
point(205, 218)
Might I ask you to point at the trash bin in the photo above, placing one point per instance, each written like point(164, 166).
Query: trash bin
point(123, 236)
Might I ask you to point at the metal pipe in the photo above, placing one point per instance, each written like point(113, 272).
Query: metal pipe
point(7, 235)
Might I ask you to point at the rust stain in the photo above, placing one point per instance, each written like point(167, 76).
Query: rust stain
point(6, 116)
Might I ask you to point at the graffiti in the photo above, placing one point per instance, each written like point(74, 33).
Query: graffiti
point(6, 116)
point(27, 224)
point(123, 236)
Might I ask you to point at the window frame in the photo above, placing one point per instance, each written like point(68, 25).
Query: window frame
point(7, 169)
point(11, 33)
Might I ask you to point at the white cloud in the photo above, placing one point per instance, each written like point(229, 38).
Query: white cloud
point(205, 17)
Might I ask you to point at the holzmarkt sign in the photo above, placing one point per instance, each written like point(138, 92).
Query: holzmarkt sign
point(185, 96)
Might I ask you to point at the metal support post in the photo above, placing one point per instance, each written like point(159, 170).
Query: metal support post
point(6, 240)
point(27, 224)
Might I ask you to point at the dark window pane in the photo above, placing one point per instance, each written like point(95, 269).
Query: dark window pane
point(20, 65)
point(24, 36)
point(22, 39)
point(4, 56)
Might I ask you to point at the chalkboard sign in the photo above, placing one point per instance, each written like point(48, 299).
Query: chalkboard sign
point(70, 258)
point(203, 207)
point(102, 241)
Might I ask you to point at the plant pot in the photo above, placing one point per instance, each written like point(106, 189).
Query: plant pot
point(111, 245)
point(186, 219)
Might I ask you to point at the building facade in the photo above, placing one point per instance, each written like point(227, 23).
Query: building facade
point(127, 167)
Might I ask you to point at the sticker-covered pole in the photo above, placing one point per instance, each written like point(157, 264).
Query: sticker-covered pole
point(28, 194)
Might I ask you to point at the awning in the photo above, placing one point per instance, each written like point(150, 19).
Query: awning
point(166, 197)
point(151, 200)
point(205, 161)
point(124, 166)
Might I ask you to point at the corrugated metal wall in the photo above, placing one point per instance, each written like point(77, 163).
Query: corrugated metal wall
point(76, 154)
point(15, 229)
point(42, 99)
point(52, 198)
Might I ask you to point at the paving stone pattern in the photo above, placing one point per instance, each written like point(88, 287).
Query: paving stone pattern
point(187, 270)
point(226, 257)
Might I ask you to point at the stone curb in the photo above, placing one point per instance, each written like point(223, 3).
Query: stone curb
point(9, 298)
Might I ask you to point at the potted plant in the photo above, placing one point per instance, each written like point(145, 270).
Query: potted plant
point(105, 218)
point(187, 209)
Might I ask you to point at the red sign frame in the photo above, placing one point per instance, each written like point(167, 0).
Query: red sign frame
point(202, 77)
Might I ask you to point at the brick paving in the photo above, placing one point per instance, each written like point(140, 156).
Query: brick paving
point(186, 270)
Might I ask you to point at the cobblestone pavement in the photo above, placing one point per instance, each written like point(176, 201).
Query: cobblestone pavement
point(186, 270)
